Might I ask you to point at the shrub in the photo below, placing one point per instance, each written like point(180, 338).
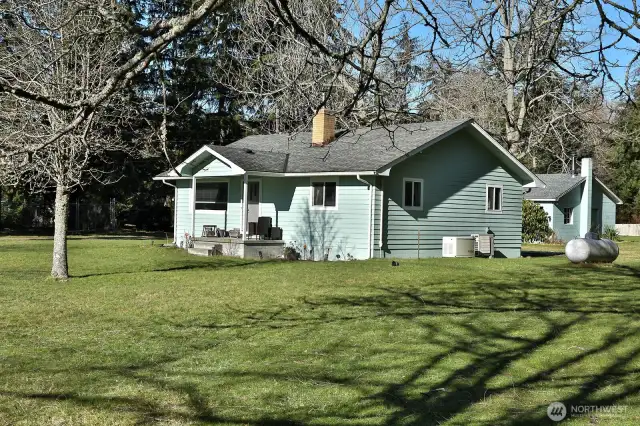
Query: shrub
point(292, 251)
point(535, 223)
point(611, 233)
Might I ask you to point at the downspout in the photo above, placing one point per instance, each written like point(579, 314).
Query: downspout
point(373, 205)
point(381, 214)
point(369, 245)
point(175, 210)
point(193, 207)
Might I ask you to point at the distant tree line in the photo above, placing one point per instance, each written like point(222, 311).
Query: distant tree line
point(98, 96)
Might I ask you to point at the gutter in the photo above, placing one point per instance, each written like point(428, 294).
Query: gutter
point(312, 174)
point(163, 178)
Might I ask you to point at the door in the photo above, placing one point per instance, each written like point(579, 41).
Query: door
point(253, 201)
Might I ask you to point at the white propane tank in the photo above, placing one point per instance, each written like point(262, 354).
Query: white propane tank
point(587, 250)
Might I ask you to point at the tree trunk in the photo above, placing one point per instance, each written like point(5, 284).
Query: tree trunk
point(60, 268)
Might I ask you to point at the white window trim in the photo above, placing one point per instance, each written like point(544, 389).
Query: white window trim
point(321, 179)
point(564, 215)
point(210, 180)
point(404, 189)
point(486, 198)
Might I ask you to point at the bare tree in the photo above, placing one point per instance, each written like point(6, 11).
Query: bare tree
point(59, 101)
point(63, 67)
point(518, 44)
point(355, 57)
point(21, 17)
point(541, 69)
point(68, 55)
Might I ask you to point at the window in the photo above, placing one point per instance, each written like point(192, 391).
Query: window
point(412, 194)
point(568, 215)
point(494, 198)
point(212, 195)
point(324, 194)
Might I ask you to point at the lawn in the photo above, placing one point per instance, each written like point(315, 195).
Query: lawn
point(144, 334)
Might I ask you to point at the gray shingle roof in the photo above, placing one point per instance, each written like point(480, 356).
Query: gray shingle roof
point(363, 150)
point(253, 160)
point(557, 185)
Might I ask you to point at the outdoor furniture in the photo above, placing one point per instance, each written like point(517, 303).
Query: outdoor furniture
point(275, 233)
point(253, 229)
point(264, 223)
point(235, 233)
point(209, 230)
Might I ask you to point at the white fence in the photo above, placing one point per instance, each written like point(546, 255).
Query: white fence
point(628, 229)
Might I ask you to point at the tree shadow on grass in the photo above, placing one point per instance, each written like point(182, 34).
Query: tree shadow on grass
point(471, 338)
point(206, 264)
point(149, 412)
point(540, 253)
point(493, 349)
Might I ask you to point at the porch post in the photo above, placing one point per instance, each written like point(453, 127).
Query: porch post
point(193, 207)
point(245, 205)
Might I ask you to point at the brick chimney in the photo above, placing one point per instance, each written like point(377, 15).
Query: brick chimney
point(324, 128)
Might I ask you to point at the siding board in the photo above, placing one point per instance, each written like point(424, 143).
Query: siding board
point(456, 172)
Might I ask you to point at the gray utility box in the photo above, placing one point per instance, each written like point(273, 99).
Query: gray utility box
point(484, 245)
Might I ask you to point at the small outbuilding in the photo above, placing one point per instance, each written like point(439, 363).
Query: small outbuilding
point(575, 204)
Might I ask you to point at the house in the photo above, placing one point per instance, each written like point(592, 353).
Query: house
point(363, 194)
point(575, 204)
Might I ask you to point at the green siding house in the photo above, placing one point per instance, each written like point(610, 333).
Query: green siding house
point(359, 194)
point(575, 204)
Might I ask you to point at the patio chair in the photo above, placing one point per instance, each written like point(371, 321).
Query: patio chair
point(275, 233)
point(264, 223)
point(253, 229)
point(209, 230)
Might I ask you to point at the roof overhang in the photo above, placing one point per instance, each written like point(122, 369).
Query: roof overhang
point(527, 175)
point(235, 169)
point(176, 174)
point(162, 178)
point(609, 192)
point(303, 174)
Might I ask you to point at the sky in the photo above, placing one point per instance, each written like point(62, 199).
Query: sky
point(618, 57)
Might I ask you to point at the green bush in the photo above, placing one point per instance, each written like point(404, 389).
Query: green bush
point(610, 233)
point(535, 223)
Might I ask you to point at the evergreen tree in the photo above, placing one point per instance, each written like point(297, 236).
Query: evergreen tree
point(626, 162)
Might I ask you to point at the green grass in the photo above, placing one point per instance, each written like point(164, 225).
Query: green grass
point(143, 334)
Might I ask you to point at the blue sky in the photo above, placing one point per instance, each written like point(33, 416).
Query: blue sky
point(618, 57)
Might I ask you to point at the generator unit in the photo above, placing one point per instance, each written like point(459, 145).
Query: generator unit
point(458, 246)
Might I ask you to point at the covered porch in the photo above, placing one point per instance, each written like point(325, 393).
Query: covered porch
point(228, 217)
point(220, 210)
point(237, 247)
